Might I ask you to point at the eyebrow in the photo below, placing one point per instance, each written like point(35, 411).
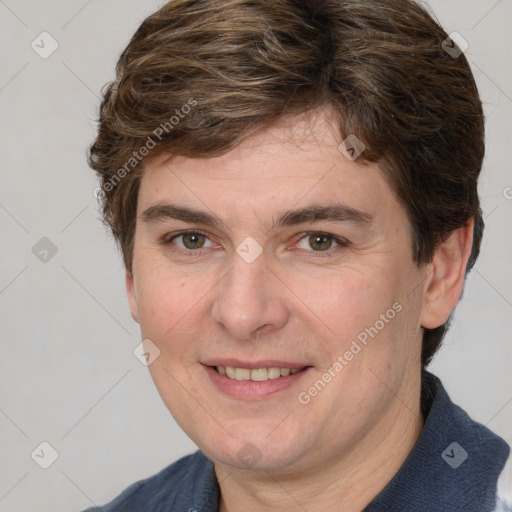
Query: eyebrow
point(333, 212)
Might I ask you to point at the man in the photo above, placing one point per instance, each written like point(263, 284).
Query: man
point(293, 186)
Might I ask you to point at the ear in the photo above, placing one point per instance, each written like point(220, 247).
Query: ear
point(130, 291)
point(446, 279)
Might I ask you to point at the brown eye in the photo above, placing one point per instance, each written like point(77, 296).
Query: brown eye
point(193, 240)
point(190, 241)
point(320, 242)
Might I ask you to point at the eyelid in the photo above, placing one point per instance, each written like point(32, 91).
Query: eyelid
point(168, 237)
point(342, 242)
point(167, 240)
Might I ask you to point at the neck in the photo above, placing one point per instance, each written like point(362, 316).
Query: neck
point(347, 481)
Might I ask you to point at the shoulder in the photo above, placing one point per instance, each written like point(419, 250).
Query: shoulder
point(171, 486)
point(454, 465)
point(504, 499)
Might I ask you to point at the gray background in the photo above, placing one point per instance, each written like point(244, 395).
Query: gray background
point(68, 375)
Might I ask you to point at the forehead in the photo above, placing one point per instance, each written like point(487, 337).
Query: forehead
point(290, 164)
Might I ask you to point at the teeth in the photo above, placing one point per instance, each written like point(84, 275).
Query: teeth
point(274, 373)
point(255, 374)
point(242, 374)
point(259, 374)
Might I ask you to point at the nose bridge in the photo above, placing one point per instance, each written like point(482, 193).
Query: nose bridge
point(248, 299)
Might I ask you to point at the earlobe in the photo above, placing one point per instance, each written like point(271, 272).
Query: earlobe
point(130, 292)
point(447, 276)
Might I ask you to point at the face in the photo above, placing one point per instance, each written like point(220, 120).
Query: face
point(291, 265)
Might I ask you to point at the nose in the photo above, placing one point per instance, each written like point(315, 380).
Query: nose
point(250, 300)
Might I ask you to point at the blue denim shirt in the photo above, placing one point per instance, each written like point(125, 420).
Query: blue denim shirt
point(453, 467)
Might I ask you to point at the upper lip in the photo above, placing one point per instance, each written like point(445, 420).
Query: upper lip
point(263, 363)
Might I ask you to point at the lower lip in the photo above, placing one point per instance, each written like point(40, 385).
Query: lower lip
point(249, 389)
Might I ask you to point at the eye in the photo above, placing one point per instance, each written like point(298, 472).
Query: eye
point(190, 241)
point(320, 242)
point(194, 241)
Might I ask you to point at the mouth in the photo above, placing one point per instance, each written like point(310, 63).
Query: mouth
point(254, 381)
point(256, 374)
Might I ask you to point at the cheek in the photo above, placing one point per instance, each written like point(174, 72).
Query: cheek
point(374, 310)
point(346, 300)
point(162, 300)
point(174, 310)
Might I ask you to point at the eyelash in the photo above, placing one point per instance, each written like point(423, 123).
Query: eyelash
point(197, 252)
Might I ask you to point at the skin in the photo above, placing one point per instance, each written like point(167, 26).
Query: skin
point(294, 303)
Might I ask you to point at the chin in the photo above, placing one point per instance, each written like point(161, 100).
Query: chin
point(255, 448)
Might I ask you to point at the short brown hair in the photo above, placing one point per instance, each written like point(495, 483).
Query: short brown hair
point(238, 65)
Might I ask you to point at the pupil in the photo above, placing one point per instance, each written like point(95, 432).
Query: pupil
point(193, 240)
point(316, 242)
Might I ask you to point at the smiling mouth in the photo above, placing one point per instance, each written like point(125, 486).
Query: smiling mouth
point(256, 374)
